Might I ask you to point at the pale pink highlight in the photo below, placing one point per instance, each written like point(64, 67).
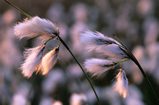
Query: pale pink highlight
point(121, 84)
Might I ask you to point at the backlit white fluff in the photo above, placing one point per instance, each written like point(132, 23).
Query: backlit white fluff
point(33, 59)
point(97, 67)
point(35, 26)
point(93, 39)
point(49, 60)
point(112, 51)
point(121, 84)
point(78, 99)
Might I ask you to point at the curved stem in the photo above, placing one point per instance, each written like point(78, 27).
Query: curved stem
point(122, 61)
point(132, 57)
point(47, 41)
point(81, 68)
point(18, 9)
point(150, 86)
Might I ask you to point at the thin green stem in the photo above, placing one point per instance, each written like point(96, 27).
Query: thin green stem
point(150, 86)
point(122, 61)
point(59, 41)
point(132, 57)
point(47, 41)
point(18, 9)
point(120, 42)
point(81, 69)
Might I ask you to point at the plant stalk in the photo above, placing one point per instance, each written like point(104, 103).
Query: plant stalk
point(18, 9)
point(81, 68)
point(150, 86)
point(132, 57)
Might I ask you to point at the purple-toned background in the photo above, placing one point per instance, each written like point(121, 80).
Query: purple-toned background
point(135, 22)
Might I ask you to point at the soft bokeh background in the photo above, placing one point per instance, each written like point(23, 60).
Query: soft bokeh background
point(135, 22)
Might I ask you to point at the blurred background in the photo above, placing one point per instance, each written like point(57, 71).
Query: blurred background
point(135, 22)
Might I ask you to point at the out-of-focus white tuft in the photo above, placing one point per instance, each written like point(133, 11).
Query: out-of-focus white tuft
point(78, 99)
point(32, 61)
point(135, 97)
point(109, 95)
point(57, 103)
point(97, 67)
point(46, 100)
point(113, 52)
point(93, 39)
point(35, 26)
point(49, 60)
point(55, 79)
point(121, 84)
point(19, 99)
point(10, 55)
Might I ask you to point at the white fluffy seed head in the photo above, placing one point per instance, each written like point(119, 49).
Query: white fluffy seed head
point(32, 61)
point(98, 42)
point(113, 52)
point(35, 26)
point(93, 39)
point(98, 67)
point(49, 60)
point(121, 84)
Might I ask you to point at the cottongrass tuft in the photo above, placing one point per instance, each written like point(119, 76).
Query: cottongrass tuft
point(97, 67)
point(32, 61)
point(96, 41)
point(35, 61)
point(93, 39)
point(121, 84)
point(49, 60)
point(34, 27)
point(113, 51)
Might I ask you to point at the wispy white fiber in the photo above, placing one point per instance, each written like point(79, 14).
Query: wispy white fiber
point(112, 51)
point(49, 60)
point(121, 84)
point(35, 26)
point(32, 61)
point(98, 67)
point(93, 39)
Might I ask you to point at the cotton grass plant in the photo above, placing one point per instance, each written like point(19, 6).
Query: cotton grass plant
point(36, 60)
point(116, 53)
point(95, 41)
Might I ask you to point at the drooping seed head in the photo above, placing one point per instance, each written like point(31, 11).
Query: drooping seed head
point(49, 60)
point(121, 84)
point(32, 61)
